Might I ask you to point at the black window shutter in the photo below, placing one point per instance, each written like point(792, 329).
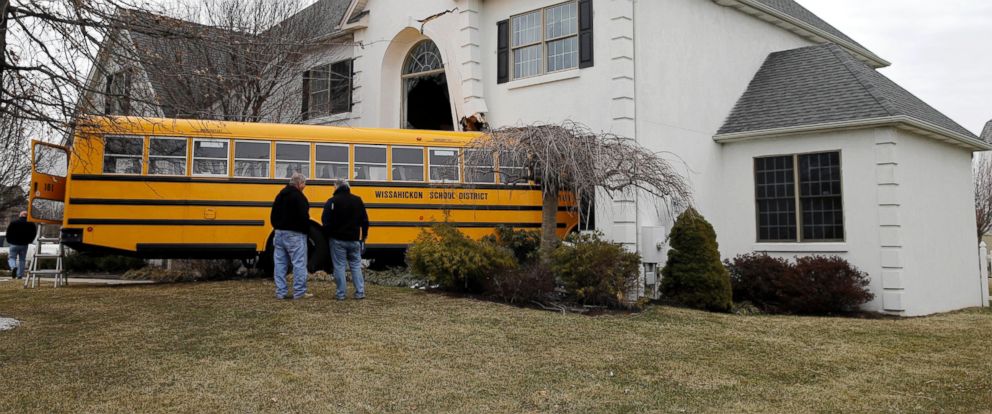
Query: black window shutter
point(305, 112)
point(503, 51)
point(351, 84)
point(585, 33)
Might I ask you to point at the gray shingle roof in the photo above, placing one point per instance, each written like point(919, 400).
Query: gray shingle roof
point(987, 132)
point(326, 14)
point(797, 11)
point(823, 84)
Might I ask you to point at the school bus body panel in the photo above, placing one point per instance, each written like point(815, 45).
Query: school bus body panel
point(175, 215)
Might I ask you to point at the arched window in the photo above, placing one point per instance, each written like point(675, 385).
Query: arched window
point(426, 104)
point(424, 58)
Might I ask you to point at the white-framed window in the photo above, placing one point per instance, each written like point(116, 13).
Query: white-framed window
point(370, 162)
point(480, 166)
point(512, 168)
point(545, 40)
point(210, 156)
point(167, 156)
point(332, 161)
point(122, 154)
point(117, 93)
point(443, 164)
point(408, 163)
point(292, 158)
point(251, 158)
point(328, 89)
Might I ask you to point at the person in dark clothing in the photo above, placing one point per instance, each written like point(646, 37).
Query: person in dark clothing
point(291, 219)
point(346, 224)
point(20, 233)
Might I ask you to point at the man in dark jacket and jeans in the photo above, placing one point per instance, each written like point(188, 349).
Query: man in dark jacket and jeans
point(20, 233)
point(291, 219)
point(346, 224)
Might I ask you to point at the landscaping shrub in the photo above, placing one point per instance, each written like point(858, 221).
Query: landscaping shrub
point(596, 271)
point(451, 260)
point(4, 265)
point(530, 282)
point(76, 262)
point(523, 243)
point(812, 285)
point(769, 283)
point(836, 285)
point(693, 275)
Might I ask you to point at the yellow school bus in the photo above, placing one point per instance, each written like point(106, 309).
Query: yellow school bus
point(166, 188)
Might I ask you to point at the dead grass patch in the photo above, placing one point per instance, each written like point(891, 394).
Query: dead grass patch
point(229, 347)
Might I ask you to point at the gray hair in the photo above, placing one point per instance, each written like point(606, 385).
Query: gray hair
point(341, 182)
point(297, 180)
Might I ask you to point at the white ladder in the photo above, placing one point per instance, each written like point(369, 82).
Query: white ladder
point(58, 272)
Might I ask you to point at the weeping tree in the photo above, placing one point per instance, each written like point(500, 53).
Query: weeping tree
point(571, 160)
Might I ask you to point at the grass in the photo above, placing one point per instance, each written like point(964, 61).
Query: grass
point(229, 347)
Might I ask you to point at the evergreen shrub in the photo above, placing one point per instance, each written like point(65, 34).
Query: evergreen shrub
point(447, 258)
point(523, 243)
point(595, 271)
point(693, 275)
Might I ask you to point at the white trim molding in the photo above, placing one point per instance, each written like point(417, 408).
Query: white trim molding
point(900, 121)
point(801, 28)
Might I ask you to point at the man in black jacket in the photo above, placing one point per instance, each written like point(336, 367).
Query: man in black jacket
point(291, 219)
point(20, 233)
point(346, 224)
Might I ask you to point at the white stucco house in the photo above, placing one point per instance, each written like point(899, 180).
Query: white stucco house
point(795, 144)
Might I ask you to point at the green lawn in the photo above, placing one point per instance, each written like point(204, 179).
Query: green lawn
point(229, 347)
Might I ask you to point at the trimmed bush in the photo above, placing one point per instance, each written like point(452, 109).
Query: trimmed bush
point(595, 271)
point(769, 283)
point(812, 285)
point(523, 243)
point(4, 264)
point(693, 275)
point(836, 285)
point(530, 282)
point(447, 258)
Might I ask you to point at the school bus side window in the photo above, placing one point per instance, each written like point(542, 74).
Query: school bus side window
point(292, 158)
point(408, 163)
point(166, 156)
point(370, 162)
point(511, 169)
point(122, 154)
point(480, 166)
point(210, 156)
point(251, 159)
point(332, 161)
point(444, 164)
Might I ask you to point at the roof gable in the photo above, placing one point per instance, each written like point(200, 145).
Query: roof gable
point(792, 16)
point(822, 85)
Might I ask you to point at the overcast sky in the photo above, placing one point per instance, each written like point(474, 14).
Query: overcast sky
point(941, 50)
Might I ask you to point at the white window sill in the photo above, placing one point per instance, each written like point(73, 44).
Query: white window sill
point(542, 79)
point(329, 118)
point(801, 247)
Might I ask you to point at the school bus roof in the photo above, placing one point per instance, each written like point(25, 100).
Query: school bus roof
point(201, 128)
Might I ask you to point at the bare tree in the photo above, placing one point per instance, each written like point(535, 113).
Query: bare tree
point(983, 194)
point(571, 160)
point(238, 60)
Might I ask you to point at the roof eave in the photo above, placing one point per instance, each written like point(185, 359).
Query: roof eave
point(801, 28)
point(902, 122)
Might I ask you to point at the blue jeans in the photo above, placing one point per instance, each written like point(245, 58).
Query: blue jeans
point(348, 253)
point(290, 246)
point(17, 257)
